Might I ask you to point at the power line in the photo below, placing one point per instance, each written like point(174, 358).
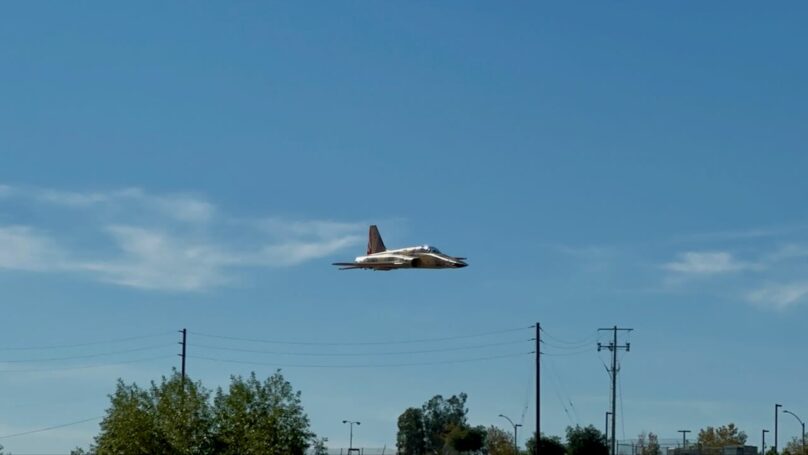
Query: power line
point(622, 410)
point(560, 384)
point(386, 365)
point(78, 345)
point(360, 343)
point(568, 347)
point(82, 367)
point(557, 393)
point(582, 341)
point(530, 379)
point(86, 356)
point(359, 354)
point(24, 433)
point(567, 354)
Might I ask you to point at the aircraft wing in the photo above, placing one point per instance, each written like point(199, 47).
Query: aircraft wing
point(393, 263)
point(348, 265)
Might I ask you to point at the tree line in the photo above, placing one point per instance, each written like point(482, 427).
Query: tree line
point(180, 417)
point(440, 427)
point(176, 416)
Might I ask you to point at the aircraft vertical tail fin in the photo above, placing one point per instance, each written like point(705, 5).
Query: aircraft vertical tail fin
point(375, 243)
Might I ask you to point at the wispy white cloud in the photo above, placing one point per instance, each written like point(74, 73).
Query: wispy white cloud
point(181, 207)
point(25, 248)
point(772, 276)
point(161, 242)
point(741, 234)
point(788, 252)
point(708, 263)
point(780, 296)
point(151, 259)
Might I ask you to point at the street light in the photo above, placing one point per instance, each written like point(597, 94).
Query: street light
point(350, 444)
point(763, 441)
point(803, 427)
point(776, 407)
point(515, 426)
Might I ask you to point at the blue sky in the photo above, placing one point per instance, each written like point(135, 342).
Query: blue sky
point(183, 165)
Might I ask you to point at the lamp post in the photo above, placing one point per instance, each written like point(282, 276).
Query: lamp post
point(803, 427)
point(350, 443)
point(776, 413)
point(684, 438)
point(515, 426)
point(763, 441)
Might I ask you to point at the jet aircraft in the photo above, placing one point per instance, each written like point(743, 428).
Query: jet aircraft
point(378, 257)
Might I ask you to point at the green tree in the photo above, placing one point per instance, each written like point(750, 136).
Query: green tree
point(318, 446)
point(130, 425)
point(648, 444)
point(438, 428)
point(727, 435)
point(183, 415)
point(164, 419)
point(499, 442)
point(794, 447)
point(586, 441)
point(551, 445)
point(440, 416)
point(411, 436)
point(175, 417)
point(465, 439)
point(260, 418)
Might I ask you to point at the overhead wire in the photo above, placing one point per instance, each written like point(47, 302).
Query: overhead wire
point(560, 383)
point(54, 427)
point(587, 340)
point(567, 354)
point(90, 343)
point(258, 351)
point(566, 347)
point(359, 343)
point(254, 340)
point(531, 377)
point(622, 410)
point(359, 354)
point(82, 367)
point(385, 365)
point(86, 356)
point(558, 395)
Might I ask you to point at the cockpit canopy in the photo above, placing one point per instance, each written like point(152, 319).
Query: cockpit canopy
point(431, 249)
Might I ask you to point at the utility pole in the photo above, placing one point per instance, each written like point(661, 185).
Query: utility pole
point(184, 333)
point(614, 347)
point(684, 437)
point(606, 428)
point(538, 388)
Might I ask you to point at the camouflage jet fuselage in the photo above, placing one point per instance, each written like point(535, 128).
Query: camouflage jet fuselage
point(417, 257)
